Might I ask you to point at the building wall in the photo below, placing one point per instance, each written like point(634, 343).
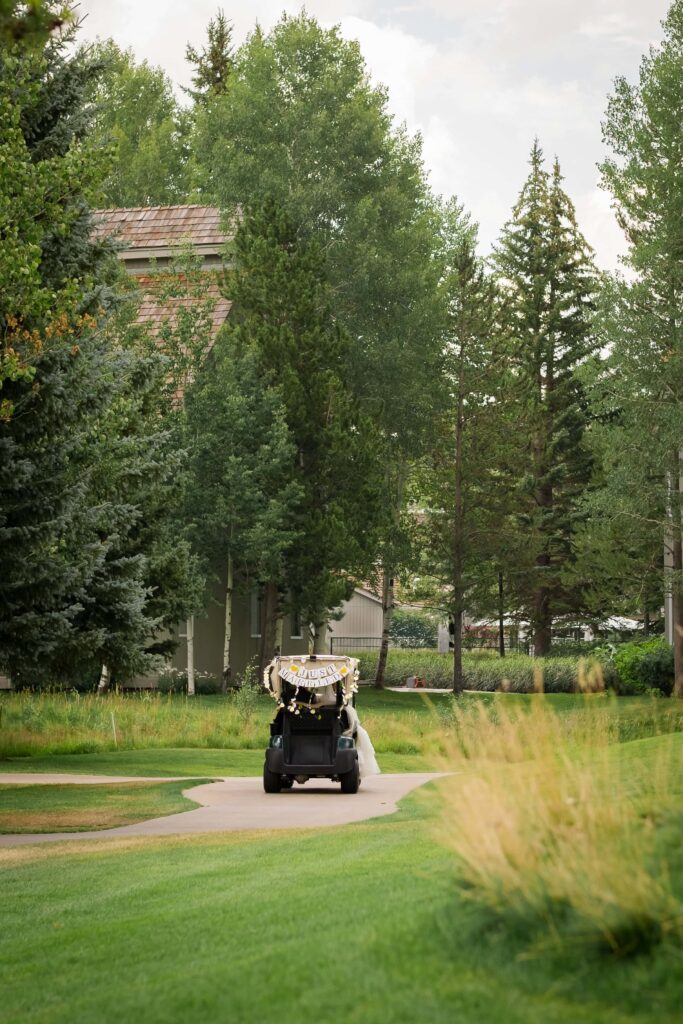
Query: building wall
point(361, 617)
point(209, 631)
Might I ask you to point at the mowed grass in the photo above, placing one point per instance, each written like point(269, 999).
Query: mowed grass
point(84, 808)
point(187, 762)
point(369, 923)
point(364, 924)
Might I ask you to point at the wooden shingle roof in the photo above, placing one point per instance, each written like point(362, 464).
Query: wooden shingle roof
point(162, 227)
point(154, 309)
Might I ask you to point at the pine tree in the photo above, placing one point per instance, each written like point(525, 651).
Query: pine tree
point(545, 268)
point(214, 63)
point(79, 547)
point(31, 23)
point(52, 284)
point(462, 480)
point(640, 389)
point(282, 312)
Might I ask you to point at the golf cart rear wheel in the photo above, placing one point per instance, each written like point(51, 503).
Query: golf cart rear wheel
point(350, 781)
point(272, 782)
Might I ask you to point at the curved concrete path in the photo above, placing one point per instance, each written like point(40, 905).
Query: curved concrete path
point(233, 804)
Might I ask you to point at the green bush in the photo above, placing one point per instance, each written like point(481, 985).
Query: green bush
point(564, 648)
point(174, 680)
point(246, 697)
point(514, 673)
point(643, 666)
point(413, 630)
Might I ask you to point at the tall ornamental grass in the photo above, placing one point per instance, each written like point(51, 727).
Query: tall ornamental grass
point(70, 723)
point(484, 671)
point(421, 724)
point(551, 823)
point(82, 724)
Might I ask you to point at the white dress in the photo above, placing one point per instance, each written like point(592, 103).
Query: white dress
point(367, 762)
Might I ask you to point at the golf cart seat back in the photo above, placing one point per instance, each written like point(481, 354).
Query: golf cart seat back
point(312, 739)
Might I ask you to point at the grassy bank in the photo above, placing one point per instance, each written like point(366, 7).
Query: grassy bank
point(409, 729)
point(72, 808)
point(183, 761)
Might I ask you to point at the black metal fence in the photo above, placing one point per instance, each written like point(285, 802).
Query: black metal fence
point(342, 644)
point(513, 645)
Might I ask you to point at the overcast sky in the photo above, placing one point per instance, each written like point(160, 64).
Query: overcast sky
point(478, 78)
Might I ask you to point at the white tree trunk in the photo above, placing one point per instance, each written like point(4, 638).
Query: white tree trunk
point(190, 656)
point(103, 684)
point(227, 638)
point(320, 638)
point(387, 615)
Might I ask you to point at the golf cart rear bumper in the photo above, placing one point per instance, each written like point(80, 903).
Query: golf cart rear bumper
point(343, 763)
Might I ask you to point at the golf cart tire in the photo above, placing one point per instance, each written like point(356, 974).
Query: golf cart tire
point(350, 781)
point(272, 782)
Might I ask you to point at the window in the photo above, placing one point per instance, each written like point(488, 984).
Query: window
point(295, 625)
point(256, 612)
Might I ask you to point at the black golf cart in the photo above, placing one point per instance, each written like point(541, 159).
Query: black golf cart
point(312, 735)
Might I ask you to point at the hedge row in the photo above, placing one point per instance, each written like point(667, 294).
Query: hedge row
point(517, 672)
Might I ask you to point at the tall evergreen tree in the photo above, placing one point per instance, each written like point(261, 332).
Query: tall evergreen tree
point(32, 22)
point(213, 64)
point(463, 483)
point(52, 286)
point(282, 312)
point(71, 534)
point(545, 268)
point(641, 387)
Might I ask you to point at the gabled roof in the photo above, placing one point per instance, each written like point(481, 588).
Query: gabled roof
point(363, 591)
point(159, 232)
point(153, 309)
point(162, 226)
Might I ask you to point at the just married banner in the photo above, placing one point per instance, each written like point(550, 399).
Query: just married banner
point(312, 675)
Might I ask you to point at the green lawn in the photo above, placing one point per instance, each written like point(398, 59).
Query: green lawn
point(364, 923)
point(73, 808)
point(357, 924)
point(188, 762)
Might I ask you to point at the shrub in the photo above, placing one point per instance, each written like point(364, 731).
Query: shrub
point(173, 680)
point(563, 648)
point(517, 673)
point(413, 630)
point(246, 698)
point(644, 666)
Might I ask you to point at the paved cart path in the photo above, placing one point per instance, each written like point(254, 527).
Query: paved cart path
point(233, 804)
